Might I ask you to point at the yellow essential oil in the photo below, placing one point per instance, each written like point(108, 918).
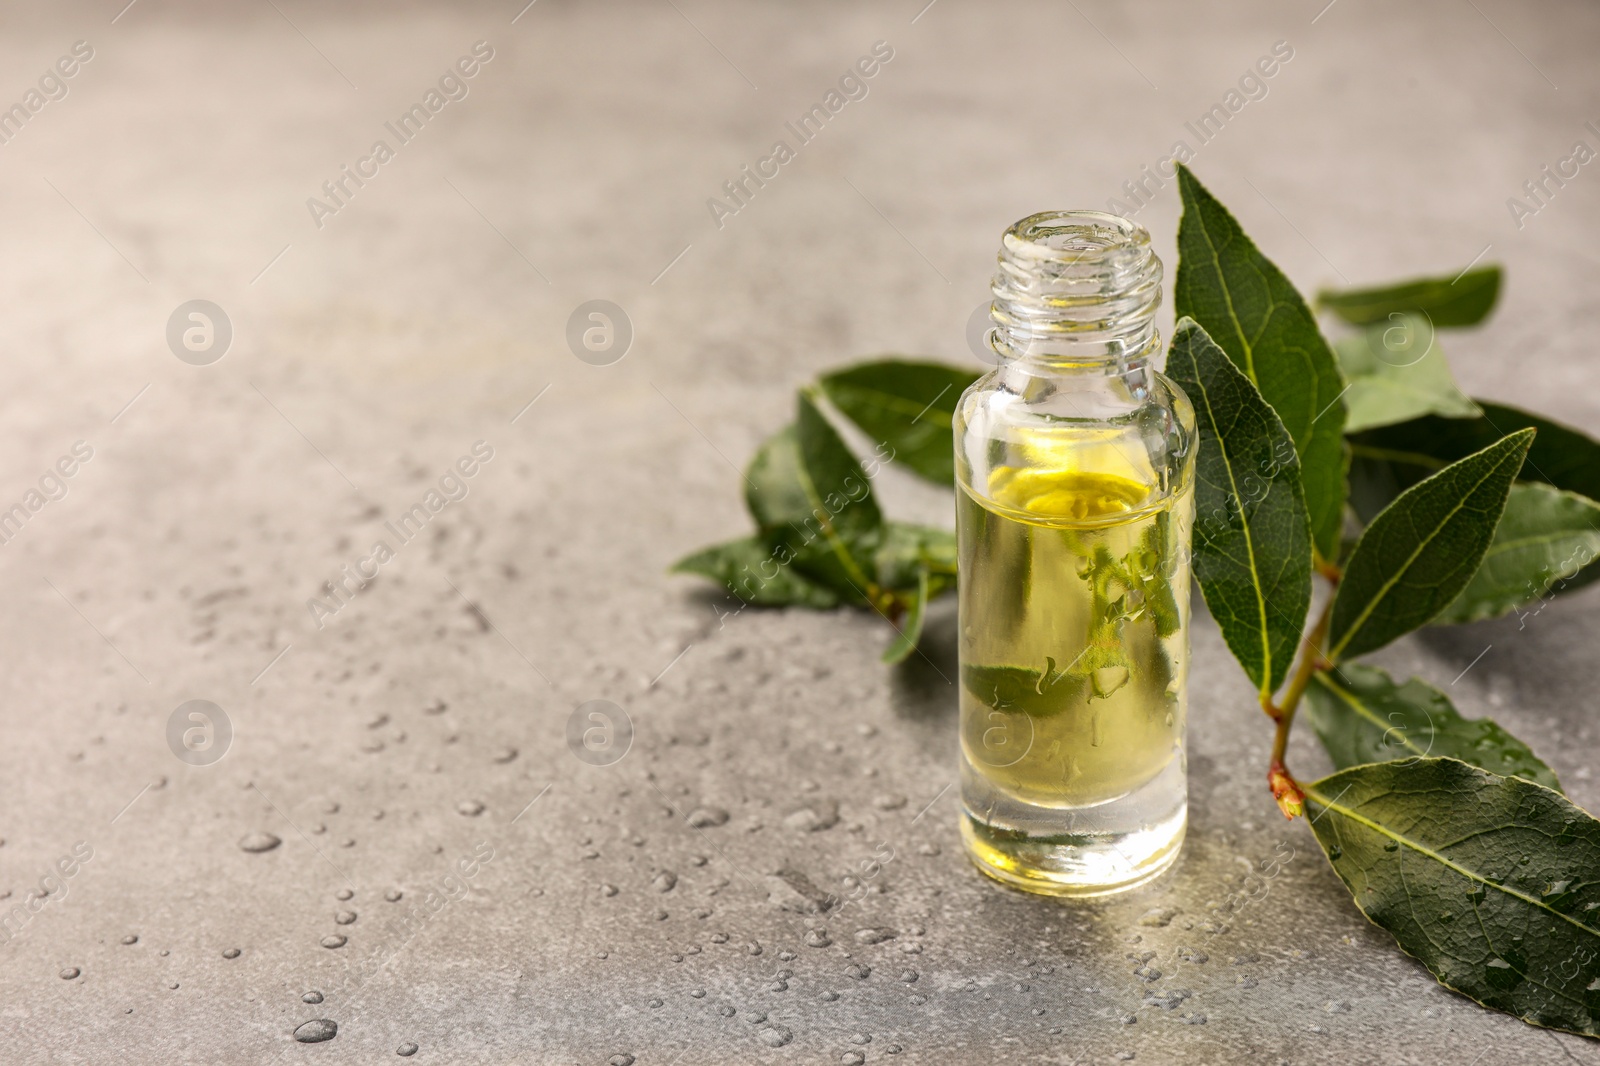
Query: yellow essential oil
point(1074, 502)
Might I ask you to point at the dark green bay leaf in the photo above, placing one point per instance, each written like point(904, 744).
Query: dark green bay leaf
point(1362, 716)
point(1489, 881)
point(1252, 311)
point(910, 632)
point(843, 526)
point(1388, 460)
point(1392, 458)
point(772, 490)
point(1422, 550)
point(905, 407)
point(749, 568)
point(1544, 538)
point(1397, 372)
point(812, 501)
point(1459, 300)
point(906, 549)
point(1252, 540)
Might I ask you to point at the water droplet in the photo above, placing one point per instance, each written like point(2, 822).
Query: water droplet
point(470, 808)
point(1129, 1019)
point(258, 842)
point(814, 817)
point(505, 754)
point(335, 941)
point(345, 917)
point(1391, 845)
point(852, 1058)
point(918, 1000)
point(608, 890)
point(894, 1049)
point(230, 953)
point(1159, 917)
point(131, 938)
point(706, 817)
point(889, 801)
point(665, 881)
point(406, 1050)
point(343, 894)
point(817, 938)
point(727, 1012)
point(698, 993)
point(874, 936)
point(311, 997)
point(719, 938)
point(1334, 1006)
point(70, 973)
point(908, 976)
point(654, 1003)
point(1555, 888)
point(858, 971)
point(620, 1060)
point(927, 848)
point(752, 948)
point(1335, 852)
point(393, 895)
point(829, 996)
point(316, 1031)
point(776, 1036)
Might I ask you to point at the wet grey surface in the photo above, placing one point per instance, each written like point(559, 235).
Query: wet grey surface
point(423, 726)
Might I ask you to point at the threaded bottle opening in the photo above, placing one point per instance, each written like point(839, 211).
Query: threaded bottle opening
point(1075, 287)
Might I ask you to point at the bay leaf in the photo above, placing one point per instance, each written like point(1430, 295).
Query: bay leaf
point(1489, 881)
point(1252, 539)
point(1420, 552)
point(1362, 716)
point(905, 407)
point(1463, 299)
point(1256, 315)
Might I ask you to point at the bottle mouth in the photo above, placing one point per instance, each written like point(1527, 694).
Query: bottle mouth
point(1076, 285)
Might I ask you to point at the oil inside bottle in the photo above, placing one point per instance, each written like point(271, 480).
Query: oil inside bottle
point(1074, 608)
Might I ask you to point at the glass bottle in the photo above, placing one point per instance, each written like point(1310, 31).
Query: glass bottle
point(1074, 470)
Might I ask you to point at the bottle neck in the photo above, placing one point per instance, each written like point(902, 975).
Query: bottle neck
point(1076, 292)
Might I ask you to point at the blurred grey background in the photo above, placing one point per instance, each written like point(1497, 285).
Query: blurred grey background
point(634, 912)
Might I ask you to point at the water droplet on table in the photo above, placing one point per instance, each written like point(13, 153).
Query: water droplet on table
point(311, 997)
point(706, 817)
point(258, 842)
point(70, 973)
point(406, 1050)
point(316, 1031)
point(334, 940)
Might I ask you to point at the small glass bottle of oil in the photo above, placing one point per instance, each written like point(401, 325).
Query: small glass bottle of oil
point(1074, 470)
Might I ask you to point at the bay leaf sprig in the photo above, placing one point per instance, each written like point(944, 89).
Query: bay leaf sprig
point(1361, 463)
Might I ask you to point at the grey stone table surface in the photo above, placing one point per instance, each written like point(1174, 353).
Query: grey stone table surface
point(413, 744)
